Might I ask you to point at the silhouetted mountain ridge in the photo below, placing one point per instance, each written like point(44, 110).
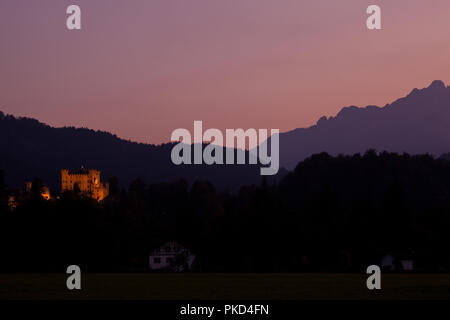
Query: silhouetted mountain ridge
point(418, 123)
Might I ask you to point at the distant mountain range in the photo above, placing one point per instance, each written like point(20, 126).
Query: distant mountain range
point(418, 123)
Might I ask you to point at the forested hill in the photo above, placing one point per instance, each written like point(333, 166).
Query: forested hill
point(32, 149)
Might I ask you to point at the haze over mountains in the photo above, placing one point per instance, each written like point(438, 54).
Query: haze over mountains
point(418, 123)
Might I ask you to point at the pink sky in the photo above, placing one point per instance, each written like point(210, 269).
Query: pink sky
point(142, 68)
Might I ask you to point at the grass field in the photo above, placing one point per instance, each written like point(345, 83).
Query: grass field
point(225, 286)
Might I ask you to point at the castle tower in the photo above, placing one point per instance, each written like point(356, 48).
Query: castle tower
point(65, 180)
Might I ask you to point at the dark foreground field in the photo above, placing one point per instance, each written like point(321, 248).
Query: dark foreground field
point(224, 286)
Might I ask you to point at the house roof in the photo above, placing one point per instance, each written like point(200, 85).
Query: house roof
point(402, 254)
point(169, 248)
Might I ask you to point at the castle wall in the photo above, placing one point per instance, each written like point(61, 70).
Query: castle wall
point(88, 183)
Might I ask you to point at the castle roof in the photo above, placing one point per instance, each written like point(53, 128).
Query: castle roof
point(82, 170)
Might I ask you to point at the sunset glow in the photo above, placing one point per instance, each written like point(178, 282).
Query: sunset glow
point(140, 68)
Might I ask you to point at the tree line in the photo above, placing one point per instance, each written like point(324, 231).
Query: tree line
point(329, 214)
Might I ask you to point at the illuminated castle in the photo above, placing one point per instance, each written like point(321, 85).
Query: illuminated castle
point(86, 181)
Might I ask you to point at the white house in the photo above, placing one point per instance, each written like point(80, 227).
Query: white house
point(399, 261)
point(171, 256)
